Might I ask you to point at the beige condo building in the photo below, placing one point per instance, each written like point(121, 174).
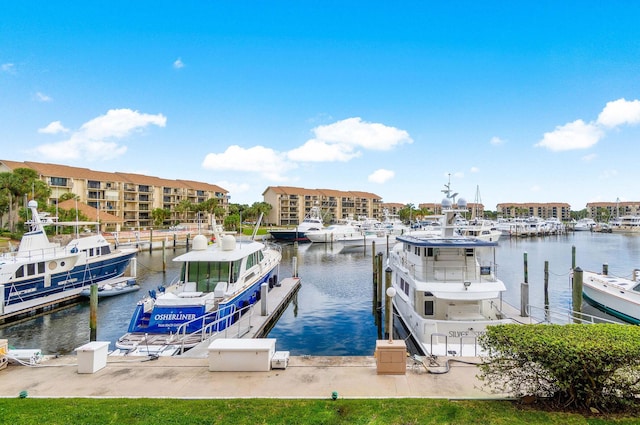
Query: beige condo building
point(558, 210)
point(291, 204)
point(130, 197)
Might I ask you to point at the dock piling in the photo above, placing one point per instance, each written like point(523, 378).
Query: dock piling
point(93, 312)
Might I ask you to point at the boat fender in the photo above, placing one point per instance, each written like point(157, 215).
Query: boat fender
point(152, 293)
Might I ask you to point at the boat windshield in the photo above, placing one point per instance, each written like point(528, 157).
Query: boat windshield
point(207, 274)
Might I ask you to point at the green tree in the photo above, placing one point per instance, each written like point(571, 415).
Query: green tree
point(159, 216)
point(20, 184)
point(183, 208)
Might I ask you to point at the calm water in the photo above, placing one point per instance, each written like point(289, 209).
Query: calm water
point(332, 313)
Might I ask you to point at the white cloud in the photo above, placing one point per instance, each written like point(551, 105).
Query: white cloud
point(119, 123)
point(320, 151)
point(381, 176)
point(354, 131)
point(620, 112)
point(91, 143)
point(267, 162)
point(334, 142)
point(41, 97)
point(53, 128)
point(9, 68)
point(574, 135)
point(474, 170)
point(590, 157)
point(496, 141)
point(178, 64)
point(340, 141)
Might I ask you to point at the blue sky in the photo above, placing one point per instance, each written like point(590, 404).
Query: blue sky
point(527, 101)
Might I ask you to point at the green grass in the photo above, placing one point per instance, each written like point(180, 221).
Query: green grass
point(20, 411)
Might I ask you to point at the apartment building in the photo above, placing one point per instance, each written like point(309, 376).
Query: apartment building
point(558, 210)
point(474, 209)
point(130, 197)
point(291, 204)
point(605, 211)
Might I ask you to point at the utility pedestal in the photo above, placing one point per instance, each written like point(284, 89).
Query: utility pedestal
point(391, 357)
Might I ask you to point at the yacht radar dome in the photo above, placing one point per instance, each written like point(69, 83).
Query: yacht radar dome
point(462, 203)
point(446, 203)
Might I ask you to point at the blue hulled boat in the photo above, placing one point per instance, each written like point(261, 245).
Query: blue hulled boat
point(42, 272)
point(217, 283)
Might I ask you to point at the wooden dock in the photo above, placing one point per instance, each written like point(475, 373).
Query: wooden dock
point(49, 303)
point(254, 324)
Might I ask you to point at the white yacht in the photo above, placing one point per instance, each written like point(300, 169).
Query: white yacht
point(447, 292)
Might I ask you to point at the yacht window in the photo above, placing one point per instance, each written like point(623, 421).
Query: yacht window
point(206, 274)
point(428, 308)
point(105, 250)
point(417, 251)
point(251, 260)
point(235, 272)
point(20, 272)
point(469, 252)
point(41, 267)
point(429, 252)
point(31, 269)
point(636, 288)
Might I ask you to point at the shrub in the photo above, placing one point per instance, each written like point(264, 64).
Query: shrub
point(574, 366)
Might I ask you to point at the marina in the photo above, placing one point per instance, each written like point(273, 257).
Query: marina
point(332, 313)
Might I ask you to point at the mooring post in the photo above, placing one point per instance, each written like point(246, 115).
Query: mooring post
point(573, 257)
point(264, 293)
point(294, 267)
point(577, 294)
point(175, 240)
point(93, 312)
point(150, 239)
point(524, 290)
point(388, 305)
point(605, 269)
point(164, 256)
point(188, 234)
point(546, 289)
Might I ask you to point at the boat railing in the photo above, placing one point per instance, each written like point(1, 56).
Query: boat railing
point(41, 253)
point(561, 315)
point(209, 330)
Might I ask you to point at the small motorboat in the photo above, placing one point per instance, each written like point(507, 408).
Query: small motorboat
point(110, 289)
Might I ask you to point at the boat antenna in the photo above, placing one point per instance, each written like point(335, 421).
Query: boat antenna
point(255, 229)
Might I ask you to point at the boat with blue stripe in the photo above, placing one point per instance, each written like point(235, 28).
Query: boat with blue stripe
point(218, 282)
point(41, 272)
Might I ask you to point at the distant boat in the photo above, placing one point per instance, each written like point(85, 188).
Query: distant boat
point(42, 272)
point(312, 221)
point(618, 296)
point(584, 224)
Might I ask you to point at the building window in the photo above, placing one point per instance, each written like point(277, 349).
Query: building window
point(58, 181)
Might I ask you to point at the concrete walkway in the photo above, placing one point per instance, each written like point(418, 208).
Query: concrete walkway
point(172, 377)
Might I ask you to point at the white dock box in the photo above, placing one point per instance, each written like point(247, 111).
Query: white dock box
point(280, 360)
point(241, 355)
point(92, 356)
